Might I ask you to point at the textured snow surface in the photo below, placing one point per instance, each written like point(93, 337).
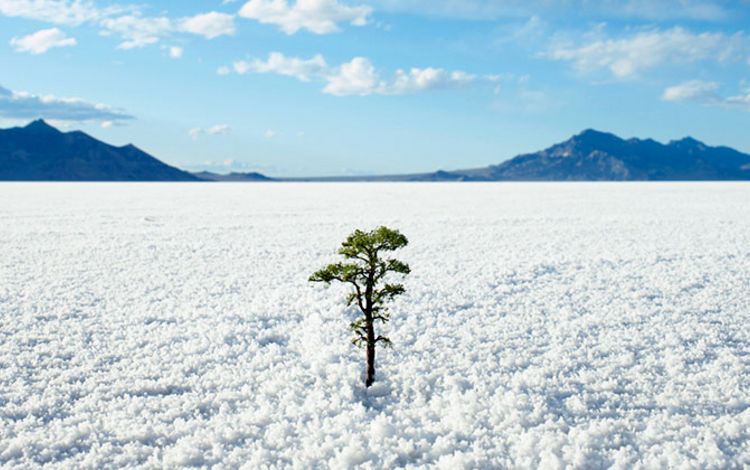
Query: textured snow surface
point(544, 326)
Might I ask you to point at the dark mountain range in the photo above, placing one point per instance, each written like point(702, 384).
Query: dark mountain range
point(39, 152)
point(600, 156)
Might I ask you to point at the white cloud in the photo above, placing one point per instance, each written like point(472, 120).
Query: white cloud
point(270, 134)
point(42, 41)
point(218, 129)
point(67, 12)
point(137, 31)
point(278, 63)
point(430, 78)
point(706, 93)
point(358, 76)
point(24, 105)
point(629, 56)
point(209, 25)
point(175, 52)
point(127, 22)
point(316, 16)
point(691, 90)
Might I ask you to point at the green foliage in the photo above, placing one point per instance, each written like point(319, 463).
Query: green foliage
point(365, 269)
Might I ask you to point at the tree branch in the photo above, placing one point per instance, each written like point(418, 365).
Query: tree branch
point(383, 339)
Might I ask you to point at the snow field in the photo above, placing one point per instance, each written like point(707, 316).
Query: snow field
point(544, 326)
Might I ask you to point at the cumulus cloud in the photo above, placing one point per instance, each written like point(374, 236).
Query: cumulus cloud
point(138, 31)
point(209, 25)
point(128, 22)
point(430, 78)
point(629, 56)
point(42, 41)
point(316, 16)
point(356, 77)
point(278, 63)
point(218, 129)
point(24, 105)
point(706, 93)
point(360, 77)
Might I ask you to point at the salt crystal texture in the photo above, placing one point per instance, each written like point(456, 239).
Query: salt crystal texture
point(544, 326)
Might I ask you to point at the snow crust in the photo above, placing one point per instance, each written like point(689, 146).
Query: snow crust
point(544, 326)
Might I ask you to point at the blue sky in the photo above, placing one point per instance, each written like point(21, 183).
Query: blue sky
point(334, 87)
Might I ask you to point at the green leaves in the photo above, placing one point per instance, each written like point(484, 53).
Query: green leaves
point(366, 245)
point(359, 328)
point(396, 266)
point(341, 272)
point(364, 269)
point(390, 291)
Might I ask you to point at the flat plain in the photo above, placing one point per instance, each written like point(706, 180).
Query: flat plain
point(544, 326)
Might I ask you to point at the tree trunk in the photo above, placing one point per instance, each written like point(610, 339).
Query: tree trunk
point(370, 326)
point(370, 351)
point(370, 365)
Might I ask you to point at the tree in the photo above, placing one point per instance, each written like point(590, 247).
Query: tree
point(366, 270)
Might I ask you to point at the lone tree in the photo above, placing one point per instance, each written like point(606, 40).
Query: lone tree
point(365, 270)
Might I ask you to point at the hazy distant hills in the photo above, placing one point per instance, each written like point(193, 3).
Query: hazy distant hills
point(39, 152)
point(239, 177)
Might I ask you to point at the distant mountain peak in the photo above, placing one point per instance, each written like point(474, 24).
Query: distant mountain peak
point(588, 133)
point(40, 125)
point(688, 142)
point(39, 152)
point(595, 137)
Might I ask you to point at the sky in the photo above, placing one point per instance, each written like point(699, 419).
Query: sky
point(350, 87)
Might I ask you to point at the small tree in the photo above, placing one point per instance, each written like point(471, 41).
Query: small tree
point(365, 270)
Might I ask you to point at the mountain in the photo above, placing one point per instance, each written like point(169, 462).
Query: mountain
point(433, 177)
point(39, 152)
point(238, 177)
point(597, 156)
point(600, 156)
